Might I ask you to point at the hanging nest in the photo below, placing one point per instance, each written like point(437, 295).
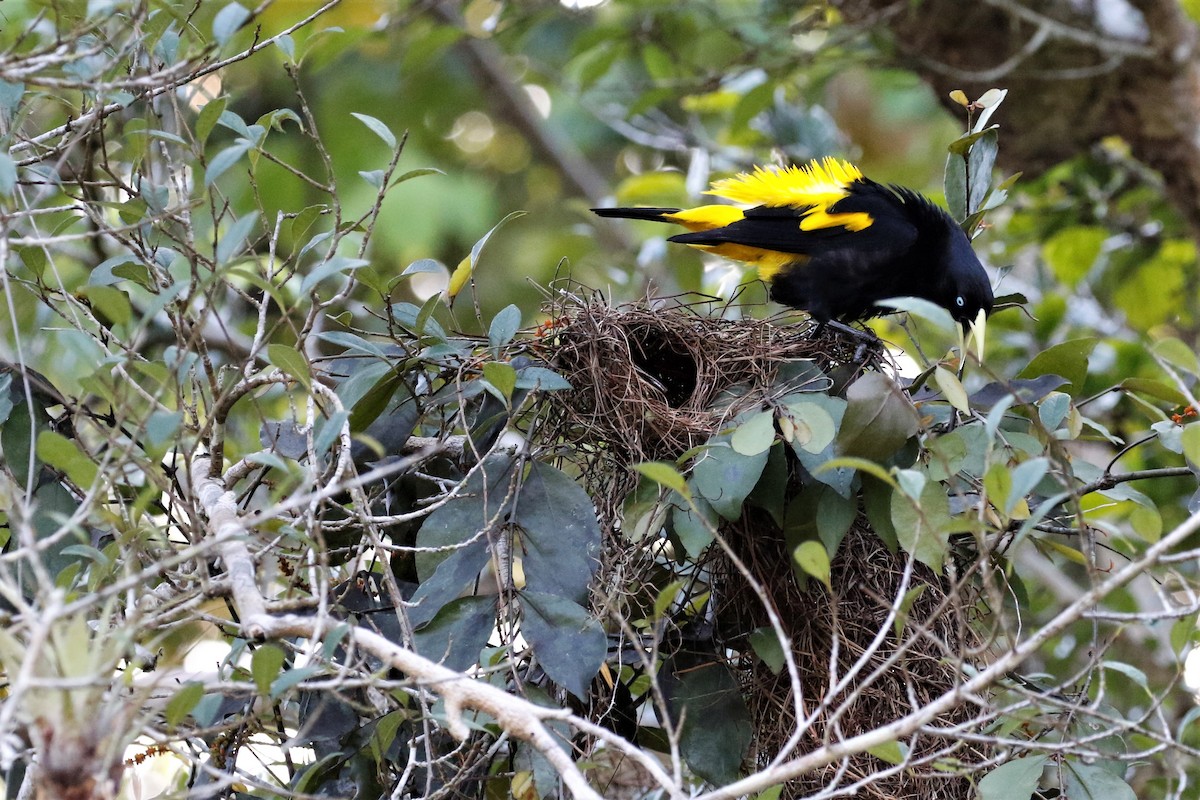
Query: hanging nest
point(652, 380)
point(903, 672)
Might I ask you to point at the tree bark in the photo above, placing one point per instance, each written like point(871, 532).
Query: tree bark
point(1077, 71)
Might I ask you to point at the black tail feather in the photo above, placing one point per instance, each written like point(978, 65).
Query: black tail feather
point(655, 214)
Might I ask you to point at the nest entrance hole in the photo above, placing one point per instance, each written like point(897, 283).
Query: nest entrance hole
point(665, 363)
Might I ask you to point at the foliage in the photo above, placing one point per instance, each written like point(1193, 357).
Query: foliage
point(246, 403)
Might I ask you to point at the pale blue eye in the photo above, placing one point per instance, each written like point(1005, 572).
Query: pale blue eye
point(959, 301)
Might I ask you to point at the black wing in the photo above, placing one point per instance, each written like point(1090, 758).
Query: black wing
point(772, 228)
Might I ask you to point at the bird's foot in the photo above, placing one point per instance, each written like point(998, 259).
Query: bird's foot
point(865, 337)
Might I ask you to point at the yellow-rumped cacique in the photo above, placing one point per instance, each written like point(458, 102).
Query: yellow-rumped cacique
point(829, 241)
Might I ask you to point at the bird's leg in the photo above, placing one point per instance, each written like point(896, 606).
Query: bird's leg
point(865, 338)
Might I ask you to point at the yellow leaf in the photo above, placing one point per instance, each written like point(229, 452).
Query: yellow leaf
point(1069, 553)
point(953, 389)
point(459, 278)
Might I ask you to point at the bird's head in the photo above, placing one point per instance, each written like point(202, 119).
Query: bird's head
point(966, 290)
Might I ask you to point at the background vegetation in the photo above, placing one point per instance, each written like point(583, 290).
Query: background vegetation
point(247, 415)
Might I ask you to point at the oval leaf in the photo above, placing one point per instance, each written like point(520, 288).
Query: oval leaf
point(377, 127)
point(814, 560)
point(755, 435)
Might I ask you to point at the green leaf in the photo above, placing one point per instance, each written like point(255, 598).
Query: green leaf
point(428, 265)
point(808, 425)
point(666, 598)
point(835, 514)
point(771, 492)
point(10, 96)
point(1068, 359)
point(767, 647)
point(234, 239)
point(222, 161)
point(501, 376)
point(1072, 252)
point(1053, 409)
point(541, 379)
point(561, 536)
point(814, 560)
point(287, 45)
point(66, 455)
point(921, 523)
point(415, 173)
point(1016, 780)
point(694, 527)
point(980, 161)
point(1191, 443)
point(378, 128)
point(717, 728)
point(879, 418)
point(1090, 782)
point(8, 174)
point(1177, 354)
point(207, 119)
point(888, 752)
point(664, 474)
point(964, 143)
point(291, 678)
point(504, 327)
point(1129, 671)
point(725, 477)
point(454, 538)
point(182, 703)
point(906, 604)
point(291, 361)
point(569, 643)
point(643, 511)
point(162, 426)
point(925, 310)
point(1156, 292)
point(1159, 390)
point(1025, 476)
point(334, 266)
point(841, 478)
point(265, 666)
point(460, 630)
point(751, 104)
point(877, 504)
point(367, 391)
point(660, 65)
point(955, 185)
point(227, 22)
point(755, 435)
point(998, 483)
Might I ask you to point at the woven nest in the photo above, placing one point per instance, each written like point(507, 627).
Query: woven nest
point(654, 379)
point(865, 579)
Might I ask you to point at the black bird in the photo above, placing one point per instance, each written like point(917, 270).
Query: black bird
point(832, 242)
